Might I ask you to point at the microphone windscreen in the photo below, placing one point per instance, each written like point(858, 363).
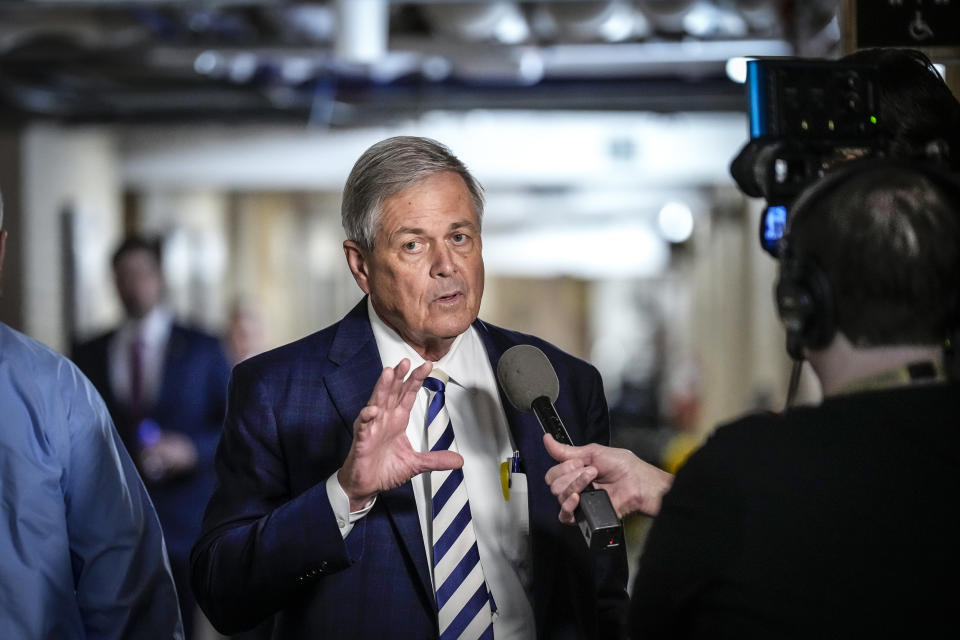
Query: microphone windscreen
point(526, 374)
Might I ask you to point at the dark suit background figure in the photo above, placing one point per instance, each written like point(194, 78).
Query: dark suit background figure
point(186, 409)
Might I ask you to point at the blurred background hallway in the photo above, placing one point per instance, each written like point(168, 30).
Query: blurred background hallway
point(602, 131)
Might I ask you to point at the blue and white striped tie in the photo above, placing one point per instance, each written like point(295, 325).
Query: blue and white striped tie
point(465, 605)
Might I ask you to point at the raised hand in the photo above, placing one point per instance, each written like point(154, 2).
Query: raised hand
point(632, 484)
point(380, 456)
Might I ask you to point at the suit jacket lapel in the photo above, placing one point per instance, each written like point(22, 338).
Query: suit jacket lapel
point(354, 349)
point(541, 505)
point(355, 352)
point(172, 373)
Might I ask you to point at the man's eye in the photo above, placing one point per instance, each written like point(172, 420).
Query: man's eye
point(413, 245)
point(459, 238)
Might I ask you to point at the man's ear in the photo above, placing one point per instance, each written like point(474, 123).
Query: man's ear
point(357, 261)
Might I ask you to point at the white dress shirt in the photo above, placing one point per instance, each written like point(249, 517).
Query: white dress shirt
point(483, 439)
point(154, 330)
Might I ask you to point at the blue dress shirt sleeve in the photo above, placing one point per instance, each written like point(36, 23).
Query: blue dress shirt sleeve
point(120, 566)
point(81, 550)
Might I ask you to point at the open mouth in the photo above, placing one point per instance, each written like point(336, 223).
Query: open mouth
point(449, 297)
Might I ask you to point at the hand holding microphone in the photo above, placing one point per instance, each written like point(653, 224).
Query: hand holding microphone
point(632, 484)
point(531, 384)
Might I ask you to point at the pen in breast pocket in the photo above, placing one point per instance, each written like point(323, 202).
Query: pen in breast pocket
point(509, 467)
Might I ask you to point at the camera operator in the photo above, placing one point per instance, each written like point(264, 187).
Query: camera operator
point(699, 571)
point(837, 520)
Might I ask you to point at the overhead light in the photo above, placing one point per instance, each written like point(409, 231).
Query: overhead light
point(512, 28)
point(207, 62)
point(609, 21)
point(675, 222)
point(501, 21)
point(243, 67)
point(736, 68)
point(615, 250)
point(436, 68)
point(297, 69)
point(531, 66)
point(701, 20)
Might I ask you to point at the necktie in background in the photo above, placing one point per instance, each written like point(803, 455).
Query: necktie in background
point(465, 605)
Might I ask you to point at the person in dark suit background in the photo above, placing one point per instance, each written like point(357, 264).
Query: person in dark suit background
point(165, 386)
point(324, 514)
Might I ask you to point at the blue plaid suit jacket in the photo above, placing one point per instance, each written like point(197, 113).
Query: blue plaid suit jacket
point(270, 543)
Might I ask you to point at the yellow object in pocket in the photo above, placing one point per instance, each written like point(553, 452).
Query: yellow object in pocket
point(505, 479)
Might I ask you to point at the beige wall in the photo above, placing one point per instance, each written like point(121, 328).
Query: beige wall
point(67, 170)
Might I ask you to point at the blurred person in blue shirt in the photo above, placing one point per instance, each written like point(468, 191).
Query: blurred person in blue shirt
point(81, 550)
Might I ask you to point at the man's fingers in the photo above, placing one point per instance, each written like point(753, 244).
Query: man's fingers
point(398, 384)
point(401, 369)
point(421, 372)
point(567, 487)
point(368, 414)
point(575, 484)
point(559, 452)
point(572, 482)
point(381, 390)
point(439, 461)
point(388, 391)
point(417, 376)
point(567, 508)
point(411, 386)
point(557, 471)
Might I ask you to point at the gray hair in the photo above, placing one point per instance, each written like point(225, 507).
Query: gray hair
point(389, 167)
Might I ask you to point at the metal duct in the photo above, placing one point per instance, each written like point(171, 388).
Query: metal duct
point(363, 30)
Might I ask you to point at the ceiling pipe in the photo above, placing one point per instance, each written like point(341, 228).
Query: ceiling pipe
point(363, 28)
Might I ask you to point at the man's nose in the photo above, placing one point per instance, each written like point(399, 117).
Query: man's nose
point(443, 263)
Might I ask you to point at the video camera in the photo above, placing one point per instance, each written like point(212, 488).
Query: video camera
point(805, 115)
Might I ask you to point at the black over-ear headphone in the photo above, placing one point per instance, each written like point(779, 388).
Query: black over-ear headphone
point(805, 304)
point(804, 296)
point(805, 299)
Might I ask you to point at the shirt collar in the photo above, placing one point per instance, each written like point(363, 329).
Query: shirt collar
point(456, 363)
point(153, 328)
point(912, 374)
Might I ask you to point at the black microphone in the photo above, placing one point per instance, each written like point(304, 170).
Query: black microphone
point(530, 384)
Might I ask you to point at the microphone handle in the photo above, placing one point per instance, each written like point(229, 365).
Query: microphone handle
point(550, 421)
point(595, 515)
